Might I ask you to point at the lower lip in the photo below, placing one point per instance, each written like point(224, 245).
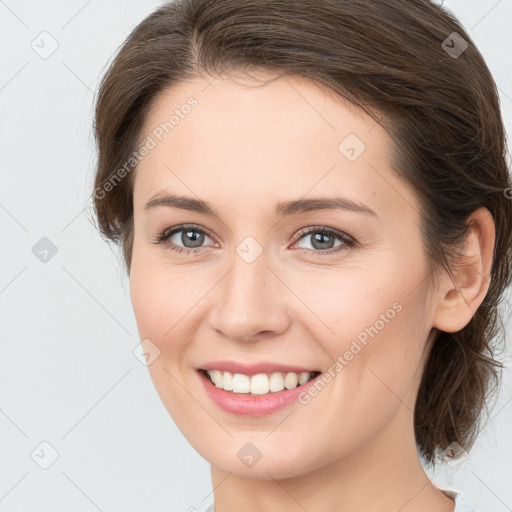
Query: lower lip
point(246, 404)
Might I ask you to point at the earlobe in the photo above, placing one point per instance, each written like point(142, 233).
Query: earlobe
point(459, 300)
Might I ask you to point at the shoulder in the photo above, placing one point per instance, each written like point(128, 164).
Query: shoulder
point(461, 505)
point(208, 506)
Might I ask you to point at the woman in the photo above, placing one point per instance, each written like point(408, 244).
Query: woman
point(312, 201)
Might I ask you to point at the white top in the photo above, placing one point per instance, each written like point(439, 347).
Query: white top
point(461, 504)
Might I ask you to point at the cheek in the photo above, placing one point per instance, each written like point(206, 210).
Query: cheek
point(147, 301)
point(158, 300)
point(160, 306)
point(341, 305)
point(374, 324)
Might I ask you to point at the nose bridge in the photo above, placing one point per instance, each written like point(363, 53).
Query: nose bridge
point(249, 300)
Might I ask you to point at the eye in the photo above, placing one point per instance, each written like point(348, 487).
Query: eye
point(323, 240)
point(191, 236)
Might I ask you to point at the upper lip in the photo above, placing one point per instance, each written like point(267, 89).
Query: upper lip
point(253, 368)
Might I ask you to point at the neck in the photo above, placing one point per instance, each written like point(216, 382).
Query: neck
point(384, 474)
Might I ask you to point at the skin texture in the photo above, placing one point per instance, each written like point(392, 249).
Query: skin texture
point(242, 149)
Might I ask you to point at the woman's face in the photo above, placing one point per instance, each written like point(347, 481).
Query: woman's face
point(257, 287)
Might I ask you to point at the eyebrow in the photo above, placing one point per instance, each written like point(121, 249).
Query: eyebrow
point(284, 209)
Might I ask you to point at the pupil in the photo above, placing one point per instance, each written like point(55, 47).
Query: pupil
point(197, 238)
point(321, 238)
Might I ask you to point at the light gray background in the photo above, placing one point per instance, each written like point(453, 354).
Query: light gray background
point(67, 372)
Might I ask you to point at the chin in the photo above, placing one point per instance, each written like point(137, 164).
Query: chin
point(272, 463)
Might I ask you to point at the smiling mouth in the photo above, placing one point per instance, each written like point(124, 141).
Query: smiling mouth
point(259, 384)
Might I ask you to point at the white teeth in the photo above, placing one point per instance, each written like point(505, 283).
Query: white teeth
point(259, 384)
point(276, 382)
point(217, 378)
point(303, 378)
point(241, 383)
point(227, 381)
point(291, 380)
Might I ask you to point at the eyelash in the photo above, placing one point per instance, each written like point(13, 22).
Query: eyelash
point(348, 242)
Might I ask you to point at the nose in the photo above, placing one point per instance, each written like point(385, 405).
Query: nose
point(250, 301)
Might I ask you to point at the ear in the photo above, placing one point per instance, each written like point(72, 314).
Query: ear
point(457, 302)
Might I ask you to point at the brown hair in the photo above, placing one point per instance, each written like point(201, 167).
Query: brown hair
point(398, 60)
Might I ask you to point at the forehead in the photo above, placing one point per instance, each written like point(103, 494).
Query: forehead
point(274, 135)
point(259, 104)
